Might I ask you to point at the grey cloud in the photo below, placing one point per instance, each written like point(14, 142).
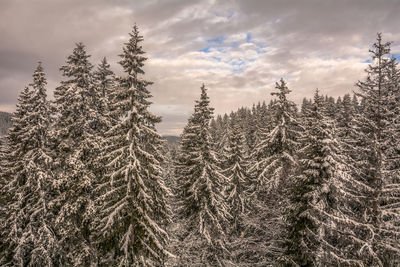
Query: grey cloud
point(297, 34)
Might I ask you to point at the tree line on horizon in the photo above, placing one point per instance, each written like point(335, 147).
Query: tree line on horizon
point(86, 179)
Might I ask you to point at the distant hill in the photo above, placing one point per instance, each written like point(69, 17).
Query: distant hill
point(172, 140)
point(5, 122)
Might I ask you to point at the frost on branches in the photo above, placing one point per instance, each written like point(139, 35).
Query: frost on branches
point(88, 181)
point(28, 185)
point(132, 201)
point(203, 208)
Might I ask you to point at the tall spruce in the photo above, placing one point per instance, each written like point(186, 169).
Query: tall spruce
point(236, 173)
point(274, 155)
point(273, 162)
point(13, 174)
point(132, 207)
point(104, 84)
point(31, 183)
point(76, 147)
point(377, 128)
point(365, 226)
point(311, 193)
point(203, 209)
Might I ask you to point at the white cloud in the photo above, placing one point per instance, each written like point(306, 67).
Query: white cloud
point(310, 43)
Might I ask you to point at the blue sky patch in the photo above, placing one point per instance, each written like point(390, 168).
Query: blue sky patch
point(219, 49)
point(248, 37)
point(205, 49)
point(217, 40)
point(237, 62)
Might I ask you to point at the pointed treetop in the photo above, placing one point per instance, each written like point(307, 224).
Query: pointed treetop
point(39, 79)
point(379, 48)
point(317, 97)
point(318, 101)
point(203, 92)
point(132, 59)
point(78, 65)
point(203, 103)
point(283, 90)
point(103, 68)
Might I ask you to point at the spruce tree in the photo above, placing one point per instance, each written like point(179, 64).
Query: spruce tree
point(274, 156)
point(273, 162)
point(376, 129)
point(236, 172)
point(76, 147)
point(32, 237)
point(13, 174)
point(238, 188)
point(104, 83)
point(203, 209)
point(132, 208)
point(311, 194)
point(364, 218)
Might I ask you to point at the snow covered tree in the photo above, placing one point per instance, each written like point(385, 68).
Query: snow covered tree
point(364, 219)
point(380, 94)
point(32, 237)
point(273, 162)
point(236, 172)
point(203, 209)
point(104, 78)
point(376, 131)
point(12, 175)
point(274, 156)
point(237, 190)
point(104, 83)
point(311, 194)
point(330, 107)
point(76, 146)
point(305, 106)
point(132, 208)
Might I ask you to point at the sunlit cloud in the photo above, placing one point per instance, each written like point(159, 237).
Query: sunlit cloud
point(237, 48)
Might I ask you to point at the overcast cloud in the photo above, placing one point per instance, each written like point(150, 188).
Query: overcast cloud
point(237, 48)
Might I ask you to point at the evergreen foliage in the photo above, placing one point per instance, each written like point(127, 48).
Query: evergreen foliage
point(88, 181)
point(132, 207)
point(29, 181)
point(203, 209)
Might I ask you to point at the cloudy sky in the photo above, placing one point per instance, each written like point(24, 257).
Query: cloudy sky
point(239, 49)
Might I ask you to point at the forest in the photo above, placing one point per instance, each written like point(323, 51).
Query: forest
point(87, 180)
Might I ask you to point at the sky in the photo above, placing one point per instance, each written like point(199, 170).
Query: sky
point(237, 48)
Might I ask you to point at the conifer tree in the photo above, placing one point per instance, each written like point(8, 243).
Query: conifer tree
point(76, 147)
point(203, 208)
point(364, 220)
point(375, 131)
point(274, 156)
point(273, 162)
point(104, 83)
point(12, 175)
point(311, 194)
point(238, 188)
point(236, 173)
point(32, 237)
point(132, 203)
